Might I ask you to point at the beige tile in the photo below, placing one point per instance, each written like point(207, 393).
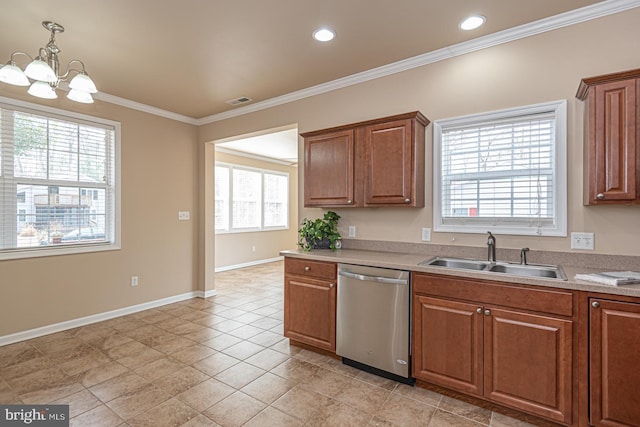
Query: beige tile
point(339, 415)
point(126, 383)
point(446, 419)
point(173, 344)
point(126, 349)
point(143, 357)
point(328, 382)
point(245, 332)
point(132, 404)
point(296, 370)
point(247, 318)
point(377, 380)
point(311, 357)
point(181, 380)
point(193, 354)
point(466, 410)
point(7, 396)
point(379, 422)
point(171, 413)
point(215, 364)
point(336, 365)
point(243, 350)
point(272, 417)
point(205, 394)
point(267, 388)
point(227, 325)
point(36, 380)
point(159, 368)
point(266, 323)
point(202, 335)
point(285, 347)
point(499, 420)
point(105, 342)
point(52, 392)
point(29, 366)
point(266, 338)
point(267, 359)
point(405, 412)
point(100, 374)
point(420, 394)
point(363, 396)
point(84, 363)
point(145, 332)
point(222, 341)
point(200, 421)
point(101, 416)
point(235, 410)
point(301, 403)
point(239, 375)
point(79, 402)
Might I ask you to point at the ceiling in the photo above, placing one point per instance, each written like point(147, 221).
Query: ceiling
point(191, 56)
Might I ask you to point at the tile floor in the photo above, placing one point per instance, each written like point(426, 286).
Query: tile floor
point(221, 361)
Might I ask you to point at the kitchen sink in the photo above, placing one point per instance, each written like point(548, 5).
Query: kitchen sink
point(459, 263)
point(526, 270)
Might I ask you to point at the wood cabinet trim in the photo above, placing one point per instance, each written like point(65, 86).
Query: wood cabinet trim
point(586, 83)
point(417, 115)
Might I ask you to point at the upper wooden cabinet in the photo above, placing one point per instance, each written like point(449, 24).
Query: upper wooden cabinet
point(612, 132)
point(374, 163)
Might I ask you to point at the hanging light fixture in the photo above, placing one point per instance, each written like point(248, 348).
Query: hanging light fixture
point(42, 74)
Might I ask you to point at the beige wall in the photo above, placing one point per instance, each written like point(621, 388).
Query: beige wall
point(159, 178)
point(537, 69)
point(237, 248)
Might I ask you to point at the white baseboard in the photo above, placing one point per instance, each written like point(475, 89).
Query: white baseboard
point(83, 321)
point(248, 264)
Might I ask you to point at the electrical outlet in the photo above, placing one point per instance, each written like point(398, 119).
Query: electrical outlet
point(184, 215)
point(583, 241)
point(134, 280)
point(426, 234)
point(352, 231)
point(253, 248)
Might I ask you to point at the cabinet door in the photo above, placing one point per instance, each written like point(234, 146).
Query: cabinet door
point(310, 311)
point(328, 169)
point(388, 164)
point(447, 343)
point(614, 347)
point(613, 142)
point(528, 361)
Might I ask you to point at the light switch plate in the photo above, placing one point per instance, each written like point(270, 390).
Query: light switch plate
point(426, 234)
point(583, 241)
point(183, 215)
point(352, 231)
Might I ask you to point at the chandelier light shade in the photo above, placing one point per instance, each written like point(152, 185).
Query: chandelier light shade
point(42, 74)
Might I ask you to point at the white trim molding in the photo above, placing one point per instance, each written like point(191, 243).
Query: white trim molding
point(248, 264)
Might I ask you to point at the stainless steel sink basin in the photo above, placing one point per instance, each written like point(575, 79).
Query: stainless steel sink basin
point(459, 263)
point(526, 270)
point(544, 271)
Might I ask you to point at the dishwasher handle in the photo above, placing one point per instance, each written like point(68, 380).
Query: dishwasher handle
point(373, 278)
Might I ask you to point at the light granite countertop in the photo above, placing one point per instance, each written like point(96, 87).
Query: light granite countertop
point(410, 261)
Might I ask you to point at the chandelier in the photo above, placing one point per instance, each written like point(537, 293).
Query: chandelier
point(42, 74)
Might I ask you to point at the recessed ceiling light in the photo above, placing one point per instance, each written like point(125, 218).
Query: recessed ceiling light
point(472, 22)
point(324, 34)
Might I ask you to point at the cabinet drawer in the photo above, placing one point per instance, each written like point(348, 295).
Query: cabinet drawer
point(558, 302)
point(307, 268)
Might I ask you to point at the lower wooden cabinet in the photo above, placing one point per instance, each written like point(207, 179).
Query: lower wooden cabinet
point(510, 356)
point(310, 303)
point(614, 363)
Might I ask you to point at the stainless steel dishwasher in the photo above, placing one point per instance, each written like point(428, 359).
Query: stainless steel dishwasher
point(373, 318)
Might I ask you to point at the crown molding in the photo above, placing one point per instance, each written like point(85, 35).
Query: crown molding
point(255, 156)
point(587, 13)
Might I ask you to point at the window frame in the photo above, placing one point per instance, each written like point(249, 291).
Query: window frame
point(261, 228)
point(507, 225)
point(80, 247)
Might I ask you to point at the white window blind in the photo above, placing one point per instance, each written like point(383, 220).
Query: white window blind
point(57, 182)
point(505, 170)
point(249, 199)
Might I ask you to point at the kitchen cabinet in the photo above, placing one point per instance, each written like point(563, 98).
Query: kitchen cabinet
point(614, 353)
point(508, 344)
point(310, 302)
point(612, 135)
point(374, 163)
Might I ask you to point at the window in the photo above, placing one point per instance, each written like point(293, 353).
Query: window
point(58, 183)
point(250, 199)
point(504, 171)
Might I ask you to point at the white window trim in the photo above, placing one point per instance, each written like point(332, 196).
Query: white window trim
point(75, 248)
point(262, 227)
point(559, 109)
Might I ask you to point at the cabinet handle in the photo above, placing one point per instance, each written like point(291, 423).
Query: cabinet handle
point(407, 200)
point(331, 285)
point(595, 304)
point(349, 201)
point(307, 268)
point(487, 312)
point(479, 310)
point(600, 196)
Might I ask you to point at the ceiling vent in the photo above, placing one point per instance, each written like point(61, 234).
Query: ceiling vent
point(239, 101)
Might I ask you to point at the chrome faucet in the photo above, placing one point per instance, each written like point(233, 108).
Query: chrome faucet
point(523, 256)
point(491, 246)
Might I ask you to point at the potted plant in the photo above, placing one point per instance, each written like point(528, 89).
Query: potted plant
point(320, 233)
